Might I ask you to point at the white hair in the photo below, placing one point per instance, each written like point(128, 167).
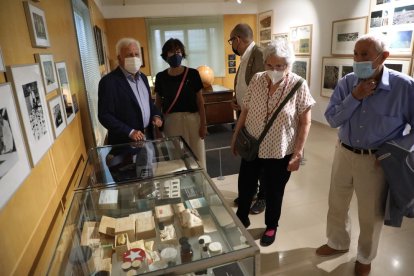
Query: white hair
point(280, 48)
point(379, 40)
point(124, 42)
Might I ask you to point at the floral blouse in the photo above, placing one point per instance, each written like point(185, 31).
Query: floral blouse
point(280, 139)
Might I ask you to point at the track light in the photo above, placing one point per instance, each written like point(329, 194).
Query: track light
point(239, 1)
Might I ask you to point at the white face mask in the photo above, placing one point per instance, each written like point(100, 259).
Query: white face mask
point(132, 64)
point(275, 76)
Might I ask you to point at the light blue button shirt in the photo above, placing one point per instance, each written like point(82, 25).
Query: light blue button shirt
point(368, 123)
point(141, 94)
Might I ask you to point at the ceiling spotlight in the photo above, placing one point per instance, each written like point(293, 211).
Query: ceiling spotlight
point(239, 1)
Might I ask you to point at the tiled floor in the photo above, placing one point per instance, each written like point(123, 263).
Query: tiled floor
point(303, 221)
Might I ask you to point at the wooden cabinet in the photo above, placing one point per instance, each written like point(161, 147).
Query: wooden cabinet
point(217, 102)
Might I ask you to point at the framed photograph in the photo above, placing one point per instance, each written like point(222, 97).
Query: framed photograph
point(31, 100)
point(14, 163)
point(403, 15)
point(57, 115)
point(400, 41)
point(47, 65)
point(379, 3)
point(64, 86)
point(232, 70)
point(401, 65)
point(2, 67)
point(231, 57)
point(142, 57)
point(36, 22)
point(232, 63)
point(302, 66)
point(75, 103)
point(345, 33)
point(265, 27)
point(99, 46)
point(284, 36)
point(333, 69)
point(301, 38)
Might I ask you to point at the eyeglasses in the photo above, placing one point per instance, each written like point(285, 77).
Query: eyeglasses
point(230, 41)
point(277, 67)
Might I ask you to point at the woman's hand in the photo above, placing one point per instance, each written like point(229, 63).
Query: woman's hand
point(233, 145)
point(202, 131)
point(294, 162)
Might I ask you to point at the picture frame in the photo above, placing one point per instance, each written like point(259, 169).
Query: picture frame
point(402, 65)
point(333, 69)
point(2, 67)
point(284, 36)
point(14, 162)
point(231, 57)
point(99, 44)
point(265, 21)
point(142, 57)
point(302, 66)
point(57, 115)
point(232, 70)
point(344, 34)
point(232, 63)
point(64, 86)
point(47, 66)
point(36, 22)
point(31, 101)
point(75, 103)
point(301, 38)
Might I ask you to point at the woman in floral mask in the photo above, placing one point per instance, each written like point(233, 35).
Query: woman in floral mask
point(179, 96)
point(281, 149)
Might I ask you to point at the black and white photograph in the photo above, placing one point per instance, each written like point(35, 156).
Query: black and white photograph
point(301, 66)
point(14, 163)
point(75, 103)
point(63, 79)
point(265, 27)
point(403, 15)
point(2, 67)
point(232, 63)
point(57, 115)
point(231, 57)
point(333, 69)
point(47, 65)
point(232, 70)
point(346, 70)
point(399, 64)
point(379, 19)
point(344, 34)
point(284, 36)
point(31, 98)
point(36, 22)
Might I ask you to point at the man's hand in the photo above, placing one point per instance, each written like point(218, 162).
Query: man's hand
point(364, 89)
point(137, 135)
point(156, 121)
point(234, 105)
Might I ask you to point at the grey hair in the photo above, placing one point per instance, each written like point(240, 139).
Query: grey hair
point(280, 48)
point(124, 42)
point(379, 40)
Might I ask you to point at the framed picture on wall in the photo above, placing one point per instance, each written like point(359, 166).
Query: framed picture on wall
point(399, 64)
point(400, 41)
point(344, 34)
point(31, 99)
point(301, 38)
point(2, 67)
point(47, 65)
point(57, 115)
point(265, 27)
point(142, 57)
point(280, 36)
point(36, 22)
point(14, 162)
point(75, 103)
point(301, 66)
point(64, 86)
point(333, 69)
point(99, 45)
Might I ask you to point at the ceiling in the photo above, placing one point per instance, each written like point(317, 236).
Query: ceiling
point(143, 2)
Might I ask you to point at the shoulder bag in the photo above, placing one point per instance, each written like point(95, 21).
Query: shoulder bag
point(247, 146)
point(178, 92)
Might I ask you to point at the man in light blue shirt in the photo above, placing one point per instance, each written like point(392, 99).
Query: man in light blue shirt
point(370, 106)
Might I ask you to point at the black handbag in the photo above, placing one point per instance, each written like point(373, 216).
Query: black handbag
point(247, 146)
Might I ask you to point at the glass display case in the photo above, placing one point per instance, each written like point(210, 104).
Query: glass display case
point(164, 223)
point(117, 164)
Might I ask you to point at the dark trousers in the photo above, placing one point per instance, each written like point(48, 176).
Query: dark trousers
point(275, 176)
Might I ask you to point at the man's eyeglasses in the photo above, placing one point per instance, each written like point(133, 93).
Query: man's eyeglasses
point(230, 41)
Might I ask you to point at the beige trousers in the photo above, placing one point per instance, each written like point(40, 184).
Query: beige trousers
point(187, 125)
point(355, 172)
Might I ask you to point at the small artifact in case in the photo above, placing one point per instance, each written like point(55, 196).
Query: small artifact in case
point(164, 213)
point(191, 223)
point(107, 226)
point(121, 245)
point(145, 227)
point(126, 225)
point(167, 234)
point(108, 199)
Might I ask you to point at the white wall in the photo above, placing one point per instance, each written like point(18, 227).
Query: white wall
point(319, 13)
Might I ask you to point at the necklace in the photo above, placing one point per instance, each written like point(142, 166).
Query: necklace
point(268, 113)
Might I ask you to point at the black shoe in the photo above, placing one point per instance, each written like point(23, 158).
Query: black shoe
point(268, 237)
point(236, 201)
point(258, 207)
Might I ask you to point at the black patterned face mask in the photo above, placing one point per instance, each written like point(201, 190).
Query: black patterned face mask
point(175, 60)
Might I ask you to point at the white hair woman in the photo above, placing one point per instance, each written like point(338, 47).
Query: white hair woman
point(281, 150)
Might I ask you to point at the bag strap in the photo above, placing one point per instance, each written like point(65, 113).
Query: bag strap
point(269, 124)
point(178, 91)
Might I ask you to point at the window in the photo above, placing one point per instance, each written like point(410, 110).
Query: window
point(202, 37)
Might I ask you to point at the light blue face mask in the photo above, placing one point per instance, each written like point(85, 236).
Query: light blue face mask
point(363, 69)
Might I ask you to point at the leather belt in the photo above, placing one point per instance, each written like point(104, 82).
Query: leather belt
point(358, 151)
